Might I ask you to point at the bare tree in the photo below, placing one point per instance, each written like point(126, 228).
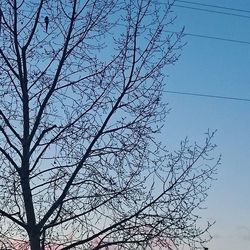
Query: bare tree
point(81, 86)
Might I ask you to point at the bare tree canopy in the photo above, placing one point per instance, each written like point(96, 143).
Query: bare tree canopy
point(81, 86)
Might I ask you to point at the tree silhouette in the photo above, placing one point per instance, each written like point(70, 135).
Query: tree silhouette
point(80, 108)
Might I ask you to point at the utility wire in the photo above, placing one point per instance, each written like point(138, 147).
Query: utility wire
point(202, 36)
point(215, 38)
point(210, 37)
point(213, 6)
point(206, 95)
point(218, 12)
point(211, 11)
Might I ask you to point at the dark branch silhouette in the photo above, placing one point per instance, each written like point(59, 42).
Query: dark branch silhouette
point(46, 20)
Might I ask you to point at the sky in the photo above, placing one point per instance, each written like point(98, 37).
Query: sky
point(222, 68)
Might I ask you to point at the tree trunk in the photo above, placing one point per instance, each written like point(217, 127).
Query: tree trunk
point(35, 242)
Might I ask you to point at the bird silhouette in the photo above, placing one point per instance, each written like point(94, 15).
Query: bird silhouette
point(1, 20)
point(46, 20)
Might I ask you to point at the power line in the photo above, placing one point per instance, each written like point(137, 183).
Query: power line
point(209, 96)
point(211, 11)
point(217, 38)
point(211, 37)
point(202, 36)
point(213, 6)
point(218, 12)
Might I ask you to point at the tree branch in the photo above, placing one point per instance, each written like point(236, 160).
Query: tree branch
point(3, 213)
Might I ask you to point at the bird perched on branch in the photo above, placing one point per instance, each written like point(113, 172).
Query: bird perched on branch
point(46, 20)
point(0, 20)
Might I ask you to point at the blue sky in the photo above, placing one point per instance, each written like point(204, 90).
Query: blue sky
point(216, 67)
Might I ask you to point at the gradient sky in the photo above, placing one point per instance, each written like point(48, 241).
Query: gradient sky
point(217, 68)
